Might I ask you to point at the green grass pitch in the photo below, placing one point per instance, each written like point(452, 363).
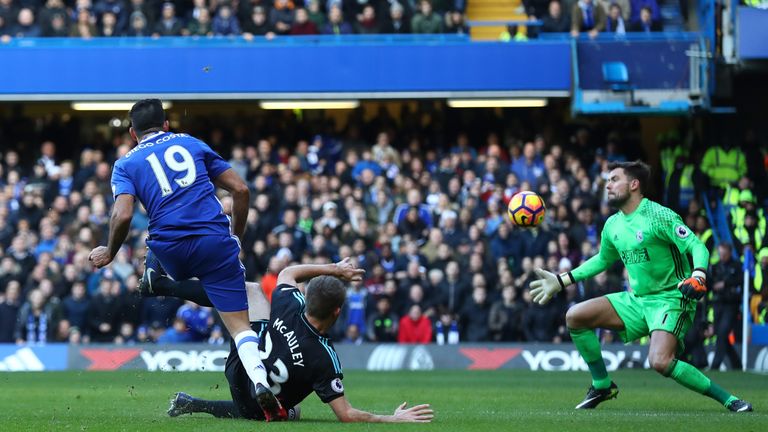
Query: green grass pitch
point(463, 401)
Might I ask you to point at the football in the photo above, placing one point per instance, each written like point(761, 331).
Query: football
point(526, 209)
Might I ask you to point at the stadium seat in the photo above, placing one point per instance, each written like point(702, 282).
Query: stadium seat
point(616, 75)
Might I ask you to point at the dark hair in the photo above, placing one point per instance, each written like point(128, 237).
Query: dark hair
point(146, 114)
point(323, 295)
point(635, 170)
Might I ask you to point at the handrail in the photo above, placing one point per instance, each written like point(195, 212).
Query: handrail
point(218, 41)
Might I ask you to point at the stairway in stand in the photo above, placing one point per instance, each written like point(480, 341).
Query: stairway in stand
point(493, 10)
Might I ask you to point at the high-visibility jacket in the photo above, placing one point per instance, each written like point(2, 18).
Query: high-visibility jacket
point(724, 166)
point(668, 157)
point(738, 214)
point(731, 196)
point(758, 282)
point(687, 192)
point(742, 234)
point(709, 241)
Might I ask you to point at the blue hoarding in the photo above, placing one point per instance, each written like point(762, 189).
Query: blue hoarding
point(752, 33)
point(226, 66)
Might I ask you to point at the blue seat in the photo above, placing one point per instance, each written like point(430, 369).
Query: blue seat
point(616, 75)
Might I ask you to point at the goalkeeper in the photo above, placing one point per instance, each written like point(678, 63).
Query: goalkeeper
point(654, 244)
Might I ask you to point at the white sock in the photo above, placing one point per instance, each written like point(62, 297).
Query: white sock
point(247, 344)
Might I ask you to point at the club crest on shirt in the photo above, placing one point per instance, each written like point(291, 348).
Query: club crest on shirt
point(681, 231)
point(639, 236)
point(337, 386)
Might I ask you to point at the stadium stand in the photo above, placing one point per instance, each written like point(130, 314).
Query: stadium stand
point(248, 18)
point(422, 208)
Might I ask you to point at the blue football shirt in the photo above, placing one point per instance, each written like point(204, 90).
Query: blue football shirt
point(170, 174)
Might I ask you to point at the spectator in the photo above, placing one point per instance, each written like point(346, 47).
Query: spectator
point(586, 17)
point(45, 15)
point(168, 25)
point(354, 308)
point(37, 320)
point(555, 21)
point(646, 24)
point(614, 23)
point(637, 7)
point(446, 330)
point(352, 335)
point(528, 167)
point(178, 333)
point(138, 25)
point(505, 320)
point(9, 311)
point(315, 14)
point(225, 23)
point(4, 29)
point(198, 321)
point(543, 323)
point(536, 8)
point(455, 23)
point(726, 297)
point(126, 335)
point(336, 24)
point(102, 315)
point(366, 22)
point(158, 313)
point(75, 308)
point(108, 26)
point(396, 24)
point(281, 16)
point(382, 325)
point(25, 26)
point(624, 7)
point(598, 286)
point(415, 327)
point(8, 11)
point(302, 25)
point(142, 7)
point(426, 21)
point(475, 314)
point(298, 238)
point(258, 25)
point(117, 9)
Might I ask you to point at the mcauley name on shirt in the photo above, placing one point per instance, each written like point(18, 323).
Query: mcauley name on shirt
point(291, 340)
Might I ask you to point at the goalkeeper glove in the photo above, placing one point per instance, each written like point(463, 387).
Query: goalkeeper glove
point(695, 287)
point(549, 284)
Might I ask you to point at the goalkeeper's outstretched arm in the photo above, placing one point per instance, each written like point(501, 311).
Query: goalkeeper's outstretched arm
point(549, 284)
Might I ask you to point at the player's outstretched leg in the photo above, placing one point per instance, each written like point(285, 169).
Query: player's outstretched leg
point(662, 359)
point(247, 344)
point(155, 282)
point(152, 270)
point(692, 378)
point(273, 410)
point(183, 403)
point(582, 319)
point(595, 396)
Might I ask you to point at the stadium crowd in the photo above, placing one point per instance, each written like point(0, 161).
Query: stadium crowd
point(249, 18)
point(427, 222)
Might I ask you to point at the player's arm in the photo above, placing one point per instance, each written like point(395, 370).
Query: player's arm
point(296, 274)
point(232, 183)
point(549, 284)
point(674, 229)
point(119, 225)
point(348, 414)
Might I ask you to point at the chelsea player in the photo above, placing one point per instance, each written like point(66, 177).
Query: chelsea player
point(175, 177)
